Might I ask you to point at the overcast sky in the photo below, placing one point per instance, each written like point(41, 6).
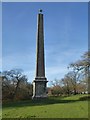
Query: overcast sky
point(65, 32)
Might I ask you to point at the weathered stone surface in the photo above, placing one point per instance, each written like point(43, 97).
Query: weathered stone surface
point(39, 84)
point(39, 88)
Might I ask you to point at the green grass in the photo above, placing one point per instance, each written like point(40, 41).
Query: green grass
point(53, 107)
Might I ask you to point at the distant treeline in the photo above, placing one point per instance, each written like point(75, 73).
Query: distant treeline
point(76, 81)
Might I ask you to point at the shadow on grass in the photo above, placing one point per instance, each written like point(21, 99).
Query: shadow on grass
point(40, 102)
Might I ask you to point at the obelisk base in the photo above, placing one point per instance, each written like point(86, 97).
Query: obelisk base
point(39, 88)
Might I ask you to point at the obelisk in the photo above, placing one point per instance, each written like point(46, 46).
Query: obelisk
point(39, 84)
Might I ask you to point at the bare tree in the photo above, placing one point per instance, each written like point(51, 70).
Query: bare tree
point(82, 67)
point(14, 82)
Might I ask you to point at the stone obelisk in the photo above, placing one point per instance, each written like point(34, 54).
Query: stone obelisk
point(39, 84)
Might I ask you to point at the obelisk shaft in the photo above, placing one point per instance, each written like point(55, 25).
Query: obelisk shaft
point(40, 65)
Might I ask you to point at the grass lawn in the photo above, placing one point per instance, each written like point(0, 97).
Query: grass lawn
point(53, 107)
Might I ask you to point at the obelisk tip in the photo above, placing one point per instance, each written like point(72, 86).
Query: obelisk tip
point(40, 10)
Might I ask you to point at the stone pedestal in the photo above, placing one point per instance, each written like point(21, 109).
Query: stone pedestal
point(39, 88)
